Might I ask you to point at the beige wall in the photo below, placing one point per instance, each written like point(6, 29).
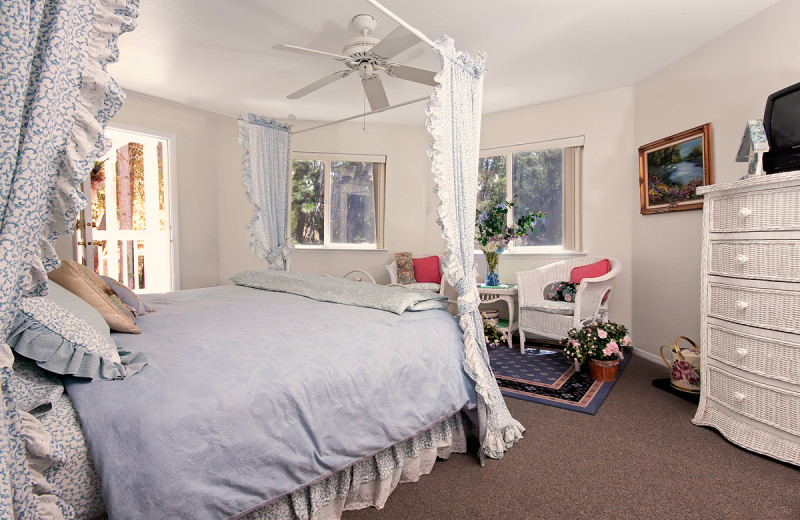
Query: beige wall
point(409, 197)
point(726, 82)
point(197, 134)
point(609, 187)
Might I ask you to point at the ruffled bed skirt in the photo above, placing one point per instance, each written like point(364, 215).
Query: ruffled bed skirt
point(370, 481)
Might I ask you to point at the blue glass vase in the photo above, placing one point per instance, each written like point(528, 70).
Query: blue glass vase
point(492, 261)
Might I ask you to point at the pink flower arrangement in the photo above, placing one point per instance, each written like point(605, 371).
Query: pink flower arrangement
point(596, 340)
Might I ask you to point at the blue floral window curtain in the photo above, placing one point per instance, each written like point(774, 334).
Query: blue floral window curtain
point(265, 177)
point(454, 121)
point(57, 98)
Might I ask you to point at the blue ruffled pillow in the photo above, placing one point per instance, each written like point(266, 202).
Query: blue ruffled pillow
point(61, 342)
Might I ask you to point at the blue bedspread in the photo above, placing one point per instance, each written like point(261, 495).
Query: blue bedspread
point(251, 394)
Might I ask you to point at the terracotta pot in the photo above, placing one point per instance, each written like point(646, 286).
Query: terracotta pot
point(603, 369)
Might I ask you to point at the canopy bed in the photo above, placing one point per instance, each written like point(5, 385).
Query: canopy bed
point(169, 406)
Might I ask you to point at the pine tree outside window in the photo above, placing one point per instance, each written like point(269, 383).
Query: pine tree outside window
point(337, 201)
point(543, 176)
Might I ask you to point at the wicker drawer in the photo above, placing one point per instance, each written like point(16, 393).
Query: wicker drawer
point(766, 404)
point(756, 259)
point(764, 210)
point(755, 354)
point(765, 308)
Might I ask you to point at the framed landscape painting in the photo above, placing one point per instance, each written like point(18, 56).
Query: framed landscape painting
point(670, 170)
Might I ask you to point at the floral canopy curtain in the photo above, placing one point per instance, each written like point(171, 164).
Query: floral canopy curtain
point(453, 119)
point(265, 177)
point(57, 98)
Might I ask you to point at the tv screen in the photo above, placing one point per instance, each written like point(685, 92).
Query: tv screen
point(782, 118)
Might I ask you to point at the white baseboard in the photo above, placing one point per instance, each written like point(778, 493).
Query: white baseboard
point(648, 356)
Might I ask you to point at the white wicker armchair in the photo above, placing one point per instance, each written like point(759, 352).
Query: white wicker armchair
point(552, 320)
point(437, 288)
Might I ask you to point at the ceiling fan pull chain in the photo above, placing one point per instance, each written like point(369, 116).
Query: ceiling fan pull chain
point(364, 123)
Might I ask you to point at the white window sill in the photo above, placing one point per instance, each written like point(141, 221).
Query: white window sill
point(551, 253)
point(322, 249)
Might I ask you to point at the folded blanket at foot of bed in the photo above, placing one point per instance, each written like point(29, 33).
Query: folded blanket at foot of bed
point(339, 290)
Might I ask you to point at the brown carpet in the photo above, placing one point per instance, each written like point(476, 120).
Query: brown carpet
point(639, 458)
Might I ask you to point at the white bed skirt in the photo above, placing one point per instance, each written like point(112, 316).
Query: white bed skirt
point(370, 482)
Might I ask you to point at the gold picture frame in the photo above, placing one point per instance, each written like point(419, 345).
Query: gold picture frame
point(670, 170)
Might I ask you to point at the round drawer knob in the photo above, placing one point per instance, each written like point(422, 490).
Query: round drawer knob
point(741, 352)
point(745, 212)
point(739, 396)
point(741, 259)
point(741, 305)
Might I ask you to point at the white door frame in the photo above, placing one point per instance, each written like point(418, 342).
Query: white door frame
point(170, 179)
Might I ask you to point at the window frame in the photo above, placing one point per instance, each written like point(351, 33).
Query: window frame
point(328, 158)
point(571, 232)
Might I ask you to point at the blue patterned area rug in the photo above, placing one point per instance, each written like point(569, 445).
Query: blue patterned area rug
point(547, 377)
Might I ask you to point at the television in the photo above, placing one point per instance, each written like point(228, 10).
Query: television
point(782, 128)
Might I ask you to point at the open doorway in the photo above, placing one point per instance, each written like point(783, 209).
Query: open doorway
point(127, 230)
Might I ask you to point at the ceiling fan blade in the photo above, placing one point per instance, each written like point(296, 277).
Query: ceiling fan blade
point(319, 83)
point(376, 95)
point(311, 52)
point(409, 73)
point(395, 42)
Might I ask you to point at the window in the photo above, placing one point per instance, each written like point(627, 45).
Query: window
point(538, 177)
point(337, 201)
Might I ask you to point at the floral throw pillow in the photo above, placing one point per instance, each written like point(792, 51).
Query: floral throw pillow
point(562, 292)
point(405, 268)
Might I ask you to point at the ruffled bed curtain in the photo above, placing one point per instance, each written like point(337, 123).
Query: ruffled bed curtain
point(454, 120)
point(57, 98)
point(265, 177)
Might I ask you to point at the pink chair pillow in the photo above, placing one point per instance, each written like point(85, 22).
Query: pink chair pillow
point(426, 270)
point(590, 271)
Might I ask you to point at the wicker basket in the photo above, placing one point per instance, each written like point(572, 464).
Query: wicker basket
point(490, 316)
point(603, 370)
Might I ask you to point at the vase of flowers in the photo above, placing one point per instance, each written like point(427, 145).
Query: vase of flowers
point(493, 235)
point(599, 343)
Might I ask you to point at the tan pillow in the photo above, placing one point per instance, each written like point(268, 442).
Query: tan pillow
point(87, 284)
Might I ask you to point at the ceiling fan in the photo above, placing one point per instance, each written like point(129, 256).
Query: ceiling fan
point(368, 56)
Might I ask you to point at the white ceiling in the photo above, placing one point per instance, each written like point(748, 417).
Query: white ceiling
point(218, 55)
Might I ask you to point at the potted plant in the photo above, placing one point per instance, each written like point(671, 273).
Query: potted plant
point(493, 336)
point(599, 343)
point(493, 235)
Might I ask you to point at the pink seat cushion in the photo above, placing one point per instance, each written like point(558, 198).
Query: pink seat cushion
point(590, 271)
point(426, 270)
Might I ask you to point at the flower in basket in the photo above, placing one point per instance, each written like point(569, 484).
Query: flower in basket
point(492, 335)
point(596, 340)
point(493, 235)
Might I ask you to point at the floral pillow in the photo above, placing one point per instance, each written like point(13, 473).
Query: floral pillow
point(128, 297)
point(562, 292)
point(405, 268)
point(34, 389)
point(80, 280)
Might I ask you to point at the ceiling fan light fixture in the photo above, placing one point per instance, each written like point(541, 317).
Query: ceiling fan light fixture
point(364, 24)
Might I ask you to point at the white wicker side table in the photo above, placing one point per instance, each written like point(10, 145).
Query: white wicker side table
point(508, 294)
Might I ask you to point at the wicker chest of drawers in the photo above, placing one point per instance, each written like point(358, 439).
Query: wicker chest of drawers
point(750, 300)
